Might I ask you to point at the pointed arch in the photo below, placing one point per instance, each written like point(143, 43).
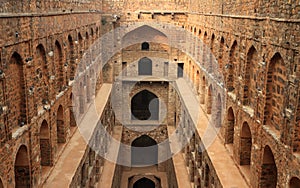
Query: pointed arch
point(245, 145)
point(58, 58)
point(87, 42)
point(22, 168)
point(144, 151)
point(45, 144)
point(43, 75)
point(221, 51)
point(275, 91)
point(202, 91)
point(80, 44)
point(142, 34)
point(16, 97)
point(268, 176)
point(249, 81)
point(231, 66)
point(229, 135)
point(70, 60)
point(60, 125)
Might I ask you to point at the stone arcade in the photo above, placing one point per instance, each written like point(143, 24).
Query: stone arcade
point(211, 88)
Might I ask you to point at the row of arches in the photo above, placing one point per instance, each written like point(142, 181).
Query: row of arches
point(251, 72)
point(22, 164)
point(254, 75)
point(38, 67)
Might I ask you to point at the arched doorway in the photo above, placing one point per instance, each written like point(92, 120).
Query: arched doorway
point(229, 137)
point(45, 147)
point(144, 151)
point(145, 66)
point(22, 168)
point(275, 91)
point(144, 183)
point(268, 176)
point(145, 106)
point(294, 183)
point(246, 145)
point(60, 125)
point(15, 77)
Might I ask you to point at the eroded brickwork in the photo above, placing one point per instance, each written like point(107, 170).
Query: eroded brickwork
point(256, 46)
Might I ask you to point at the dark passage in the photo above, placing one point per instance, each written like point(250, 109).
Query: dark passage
point(144, 183)
point(144, 151)
point(145, 106)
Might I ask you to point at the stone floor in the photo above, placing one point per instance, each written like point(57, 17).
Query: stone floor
point(69, 159)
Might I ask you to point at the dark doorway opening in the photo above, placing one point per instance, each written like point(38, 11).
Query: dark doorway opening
point(144, 183)
point(144, 151)
point(145, 106)
point(145, 46)
point(180, 70)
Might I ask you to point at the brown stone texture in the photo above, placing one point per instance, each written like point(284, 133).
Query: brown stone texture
point(255, 44)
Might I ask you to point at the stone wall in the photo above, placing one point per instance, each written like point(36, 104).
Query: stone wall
point(39, 55)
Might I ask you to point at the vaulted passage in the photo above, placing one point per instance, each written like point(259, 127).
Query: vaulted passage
point(145, 106)
point(144, 183)
point(246, 144)
point(60, 125)
point(45, 145)
point(268, 176)
point(144, 151)
point(22, 169)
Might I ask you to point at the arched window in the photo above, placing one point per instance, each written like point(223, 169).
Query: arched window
point(145, 106)
point(144, 151)
point(145, 66)
point(145, 46)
